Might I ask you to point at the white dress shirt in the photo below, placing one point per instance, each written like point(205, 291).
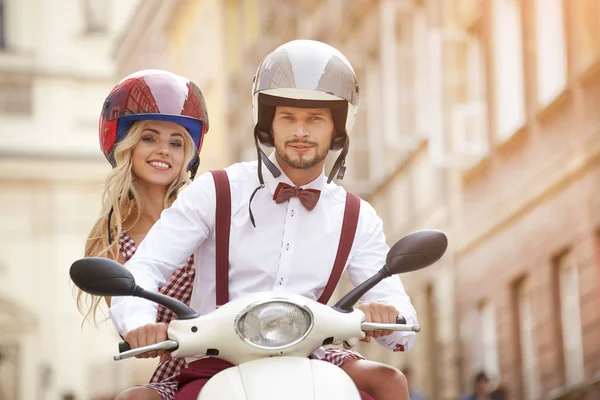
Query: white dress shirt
point(291, 249)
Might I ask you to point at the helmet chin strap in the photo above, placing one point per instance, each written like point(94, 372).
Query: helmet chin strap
point(194, 164)
point(110, 213)
point(269, 164)
point(339, 166)
point(262, 158)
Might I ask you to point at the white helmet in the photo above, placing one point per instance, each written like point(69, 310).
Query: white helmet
point(305, 73)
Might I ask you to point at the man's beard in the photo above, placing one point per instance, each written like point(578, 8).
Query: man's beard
point(301, 162)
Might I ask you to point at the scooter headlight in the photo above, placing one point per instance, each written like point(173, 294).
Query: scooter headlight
point(274, 325)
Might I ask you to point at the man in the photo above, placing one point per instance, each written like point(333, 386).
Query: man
point(481, 391)
point(285, 223)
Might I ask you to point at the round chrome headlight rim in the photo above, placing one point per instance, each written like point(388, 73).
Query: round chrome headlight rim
point(274, 300)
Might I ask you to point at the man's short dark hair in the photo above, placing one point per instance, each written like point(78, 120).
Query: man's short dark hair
point(481, 377)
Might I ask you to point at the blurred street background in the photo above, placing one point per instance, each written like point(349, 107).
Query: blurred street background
point(477, 117)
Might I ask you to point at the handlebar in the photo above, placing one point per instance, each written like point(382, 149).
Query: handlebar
point(369, 326)
point(169, 345)
point(126, 352)
point(400, 325)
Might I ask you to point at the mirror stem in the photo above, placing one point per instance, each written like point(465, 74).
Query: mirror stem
point(181, 310)
point(346, 303)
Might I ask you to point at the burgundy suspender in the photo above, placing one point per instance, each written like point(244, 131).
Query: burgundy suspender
point(346, 239)
point(222, 226)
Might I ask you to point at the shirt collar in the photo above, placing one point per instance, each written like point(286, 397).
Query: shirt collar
point(272, 182)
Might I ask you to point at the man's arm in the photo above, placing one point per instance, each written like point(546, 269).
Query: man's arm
point(180, 230)
point(369, 257)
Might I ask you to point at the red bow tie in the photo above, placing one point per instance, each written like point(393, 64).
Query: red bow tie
point(308, 197)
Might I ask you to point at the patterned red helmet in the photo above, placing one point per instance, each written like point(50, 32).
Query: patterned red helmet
point(152, 95)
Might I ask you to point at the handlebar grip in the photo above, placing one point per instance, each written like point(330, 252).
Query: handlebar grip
point(401, 320)
point(124, 346)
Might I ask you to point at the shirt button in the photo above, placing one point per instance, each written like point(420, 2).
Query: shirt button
point(287, 246)
point(281, 281)
point(292, 213)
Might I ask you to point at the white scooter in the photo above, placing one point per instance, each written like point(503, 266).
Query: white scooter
point(267, 336)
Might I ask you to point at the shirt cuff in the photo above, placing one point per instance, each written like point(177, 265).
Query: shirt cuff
point(128, 314)
point(398, 341)
point(319, 353)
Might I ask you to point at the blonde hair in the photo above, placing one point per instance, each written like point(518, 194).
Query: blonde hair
point(122, 202)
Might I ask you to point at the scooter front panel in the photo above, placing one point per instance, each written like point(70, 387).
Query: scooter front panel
point(275, 378)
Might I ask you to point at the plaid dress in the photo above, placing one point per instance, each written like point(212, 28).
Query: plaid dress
point(165, 378)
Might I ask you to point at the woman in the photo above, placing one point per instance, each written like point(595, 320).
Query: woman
point(151, 130)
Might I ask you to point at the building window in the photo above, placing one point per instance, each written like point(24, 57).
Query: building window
point(405, 67)
point(421, 63)
point(489, 341)
point(411, 63)
point(475, 67)
point(467, 139)
point(469, 117)
point(9, 371)
point(470, 134)
point(359, 160)
point(16, 94)
point(529, 371)
point(508, 68)
point(478, 333)
point(371, 80)
point(570, 318)
point(96, 16)
point(551, 50)
point(436, 71)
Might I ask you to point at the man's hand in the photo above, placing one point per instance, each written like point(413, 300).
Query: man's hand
point(147, 335)
point(378, 313)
